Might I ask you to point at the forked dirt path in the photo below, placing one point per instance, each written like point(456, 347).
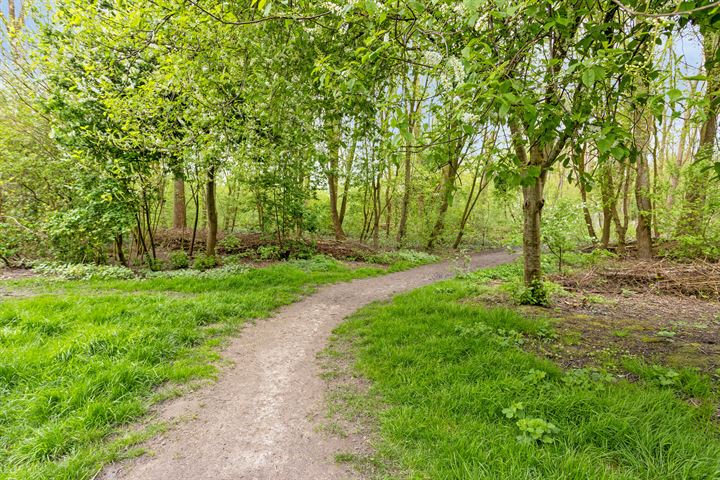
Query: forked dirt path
point(259, 421)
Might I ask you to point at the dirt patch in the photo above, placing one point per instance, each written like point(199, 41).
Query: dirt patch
point(677, 331)
point(262, 419)
point(599, 323)
point(16, 273)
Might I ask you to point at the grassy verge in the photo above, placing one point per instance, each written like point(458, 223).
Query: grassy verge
point(80, 359)
point(464, 400)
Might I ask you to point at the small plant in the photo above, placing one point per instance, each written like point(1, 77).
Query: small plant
point(667, 334)
point(230, 243)
point(179, 259)
point(534, 294)
point(268, 252)
point(536, 430)
point(204, 262)
point(516, 410)
point(154, 264)
point(664, 376)
point(532, 430)
point(561, 230)
point(588, 378)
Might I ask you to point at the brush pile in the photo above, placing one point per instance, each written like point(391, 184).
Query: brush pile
point(699, 279)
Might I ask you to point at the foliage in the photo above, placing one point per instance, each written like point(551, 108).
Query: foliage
point(536, 293)
point(269, 252)
point(561, 230)
point(402, 259)
point(75, 271)
point(204, 262)
point(179, 259)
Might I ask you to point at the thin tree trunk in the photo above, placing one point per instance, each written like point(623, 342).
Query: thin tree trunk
point(642, 125)
point(413, 112)
point(179, 211)
point(212, 220)
point(346, 184)
point(579, 164)
point(119, 247)
point(332, 175)
point(532, 211)
point(447, 194)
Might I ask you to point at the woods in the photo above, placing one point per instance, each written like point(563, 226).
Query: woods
point(419, 124)
point(359, 239)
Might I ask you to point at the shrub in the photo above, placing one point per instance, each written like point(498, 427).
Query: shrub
point(268, 252)
point(402, 258)
point(179, 259)
point(230, 243)
point(204, 262)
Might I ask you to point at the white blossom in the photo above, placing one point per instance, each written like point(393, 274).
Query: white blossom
point(457, 68)
point(468, 117)
point(432, 58)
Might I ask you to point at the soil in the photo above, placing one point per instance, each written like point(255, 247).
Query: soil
point(598, 323)
point(674, 330)
point(262, 418)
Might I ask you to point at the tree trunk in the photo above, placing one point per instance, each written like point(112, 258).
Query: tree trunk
point(580, 172)
point(413, 112)
point(609, 200)
point(447, 194)
point(533, 203)
point(346, 184)
point(212, 221)
point(332, 176)
point(642, 125)
point(179, 211)
point(119, 247)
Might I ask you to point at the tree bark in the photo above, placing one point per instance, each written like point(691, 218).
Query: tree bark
point(212, 220)
point(533, 203)
point(580, 172)
point(179, 210)
point(448, 190)
point(332, 176)
point(642, 127)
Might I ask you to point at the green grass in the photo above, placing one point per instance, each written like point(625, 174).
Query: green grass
point(446, 371)
point(81, 359)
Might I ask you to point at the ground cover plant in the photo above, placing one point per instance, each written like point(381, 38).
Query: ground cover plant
point(78, 359)
point(462, 394)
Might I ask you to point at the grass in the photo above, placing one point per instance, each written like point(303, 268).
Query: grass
point(79, 360)
point(465, 401)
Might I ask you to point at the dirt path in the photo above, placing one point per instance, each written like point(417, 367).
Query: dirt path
point(258, 420)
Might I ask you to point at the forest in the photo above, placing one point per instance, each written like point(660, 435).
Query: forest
point(171, 170)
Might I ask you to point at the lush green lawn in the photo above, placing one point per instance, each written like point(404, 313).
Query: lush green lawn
point(465, 401)
point(79, 359)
